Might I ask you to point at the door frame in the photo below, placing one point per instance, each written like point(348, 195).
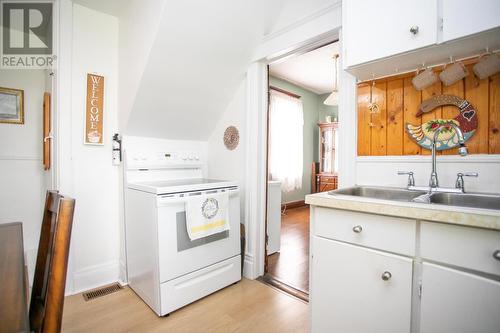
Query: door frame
point(256, 143)
point(305, 49)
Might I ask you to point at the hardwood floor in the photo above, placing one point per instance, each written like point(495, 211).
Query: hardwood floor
point(291, 264)
point(248, 306)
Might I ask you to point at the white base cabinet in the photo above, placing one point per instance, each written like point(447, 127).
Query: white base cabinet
point(445, 281)
point(359, 290)
point(458, 302)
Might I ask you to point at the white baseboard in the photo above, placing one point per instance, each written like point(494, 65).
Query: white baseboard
point(248, 267)
point(123, 272)
point(95, 276)
point(122, 283)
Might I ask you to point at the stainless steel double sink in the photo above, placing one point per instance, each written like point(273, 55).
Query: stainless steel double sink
point(472, 200)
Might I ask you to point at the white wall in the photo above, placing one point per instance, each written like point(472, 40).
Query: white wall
point(94, 255)
point(194, 67)
point(22, 178)
point(322, 24)
point(222, 162)
point(382, 171)
point(138, 143)
point(138, 26)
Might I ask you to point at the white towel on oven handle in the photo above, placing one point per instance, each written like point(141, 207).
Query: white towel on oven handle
point(207, 214)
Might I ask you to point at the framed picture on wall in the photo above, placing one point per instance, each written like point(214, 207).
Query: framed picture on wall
point(11, 106)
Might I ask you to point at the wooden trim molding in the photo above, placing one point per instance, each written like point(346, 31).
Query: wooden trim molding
point(280, 285)
point(283, 91)
point(293, 204)
point(46, 130)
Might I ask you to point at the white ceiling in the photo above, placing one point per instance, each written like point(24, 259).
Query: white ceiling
point(313, 71)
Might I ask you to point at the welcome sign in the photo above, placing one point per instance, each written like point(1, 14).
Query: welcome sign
point(94, 112)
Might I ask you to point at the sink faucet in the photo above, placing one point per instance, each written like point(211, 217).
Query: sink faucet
point(433, 181)
point(459, 183)
point(462, 150)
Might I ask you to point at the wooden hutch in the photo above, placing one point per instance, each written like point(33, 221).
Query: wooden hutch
point(325, 177)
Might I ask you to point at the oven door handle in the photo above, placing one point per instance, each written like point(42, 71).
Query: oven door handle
point(166, 201)
point(175, 199)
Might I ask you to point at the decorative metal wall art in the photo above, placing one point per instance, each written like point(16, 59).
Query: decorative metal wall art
point(231, 137)
point(448, 138)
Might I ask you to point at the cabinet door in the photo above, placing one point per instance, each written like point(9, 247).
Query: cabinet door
point(327, 150)
point(377, 29)
point(458, 302)
point(464, 17)
point(348, 293)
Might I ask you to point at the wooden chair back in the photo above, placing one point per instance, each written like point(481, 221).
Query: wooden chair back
point(47, 296)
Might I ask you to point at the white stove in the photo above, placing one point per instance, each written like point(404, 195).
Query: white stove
point(165, 267)
point(180, 185)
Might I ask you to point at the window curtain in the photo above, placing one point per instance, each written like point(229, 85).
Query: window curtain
point(286, 124)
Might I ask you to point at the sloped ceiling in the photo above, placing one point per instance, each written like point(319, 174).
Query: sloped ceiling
point(200, 54)
point(197, 59)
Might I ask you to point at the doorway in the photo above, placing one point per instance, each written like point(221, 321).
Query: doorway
point(302, 158)
point(25, 152)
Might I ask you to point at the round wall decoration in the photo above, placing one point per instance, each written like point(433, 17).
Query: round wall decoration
point(231, 137)
point(424, 134)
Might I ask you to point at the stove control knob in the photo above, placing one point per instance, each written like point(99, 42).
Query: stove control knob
point(197, 158)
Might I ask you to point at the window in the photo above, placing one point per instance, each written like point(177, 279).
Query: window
point(286, 124)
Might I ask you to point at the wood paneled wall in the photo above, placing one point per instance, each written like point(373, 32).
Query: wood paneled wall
point(383, 133)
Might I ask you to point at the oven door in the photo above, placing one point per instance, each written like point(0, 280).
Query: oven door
point(178, 255)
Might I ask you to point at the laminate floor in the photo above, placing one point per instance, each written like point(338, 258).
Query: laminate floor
point(248, 306)
point(291, 264)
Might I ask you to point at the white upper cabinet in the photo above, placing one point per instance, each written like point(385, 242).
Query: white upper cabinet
point(465, 17)
point(378, 29)
point(387, 37)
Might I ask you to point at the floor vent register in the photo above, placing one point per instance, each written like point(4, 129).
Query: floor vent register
point(102, 291)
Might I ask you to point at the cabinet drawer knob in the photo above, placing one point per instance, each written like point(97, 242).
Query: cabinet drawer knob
point(414, 29)
point(496, 255)
point(386, 276)
point(357, 229)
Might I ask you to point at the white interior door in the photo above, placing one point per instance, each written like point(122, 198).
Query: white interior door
point(458, 302)
point(349, 295)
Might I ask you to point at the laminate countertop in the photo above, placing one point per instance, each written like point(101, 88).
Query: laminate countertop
point(473, 217)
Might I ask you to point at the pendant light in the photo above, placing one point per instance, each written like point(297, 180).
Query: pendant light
point(333, 98)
